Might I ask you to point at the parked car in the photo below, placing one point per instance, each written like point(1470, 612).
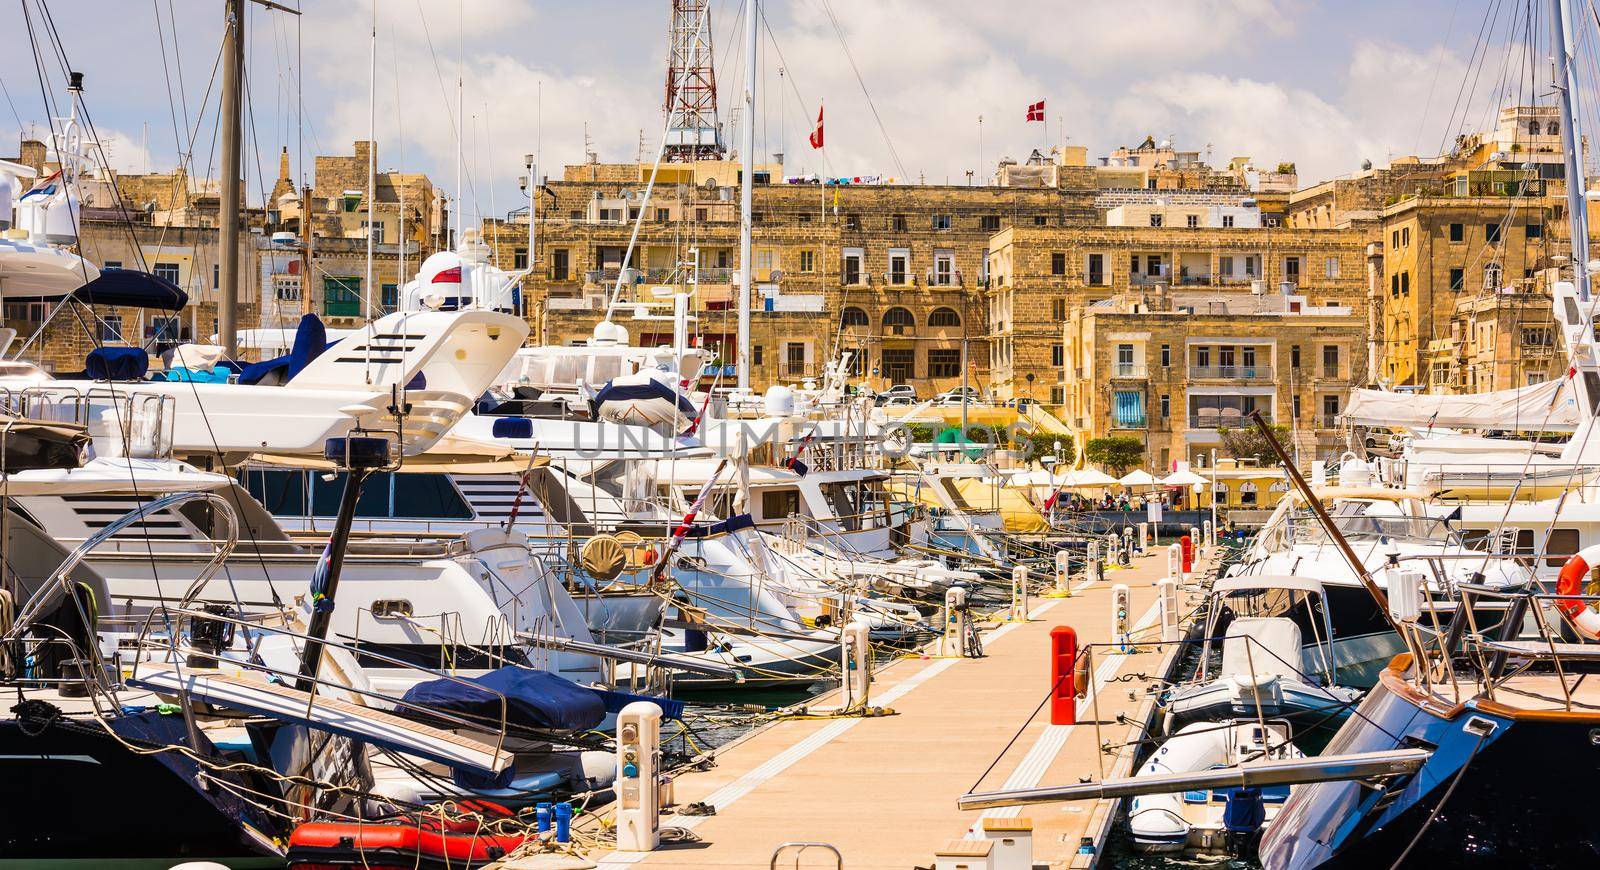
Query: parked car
point(953, 397)
point(1021, 402)
point(902, 390)
point(898, 401)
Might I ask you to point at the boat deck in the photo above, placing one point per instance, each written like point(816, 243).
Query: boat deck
point(883, 790)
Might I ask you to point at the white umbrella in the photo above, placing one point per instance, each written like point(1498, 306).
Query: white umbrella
point(1184, 477)
point(1138, 477)
point(1087, 477)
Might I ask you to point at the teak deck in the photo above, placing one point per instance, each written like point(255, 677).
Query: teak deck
point(883, 790)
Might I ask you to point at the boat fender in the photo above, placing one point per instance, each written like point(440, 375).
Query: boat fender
point(1573, 580)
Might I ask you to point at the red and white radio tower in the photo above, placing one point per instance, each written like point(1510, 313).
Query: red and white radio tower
point(691, 105)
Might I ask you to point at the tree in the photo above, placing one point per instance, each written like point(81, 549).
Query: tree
point(1116, 454)
point(1249, 443)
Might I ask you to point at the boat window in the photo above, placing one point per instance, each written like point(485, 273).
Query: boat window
point(326, 493)
point(1561, 544)
point(608, 478)
point(280, 492)
point(777, 504)
point(1303, 608)
point(844, 498)
point(428, 496)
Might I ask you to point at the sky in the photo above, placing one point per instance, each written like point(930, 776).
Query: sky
point(904, 82)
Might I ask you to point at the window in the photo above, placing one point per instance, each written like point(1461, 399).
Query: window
point(1039, 220)
point(1124, 356)
point(169, 271)
point(216, 276)
point(1247, 494)
point(341, 297)
point(1534, 231)
point(899, 266)
point(1405, 283)
point(1405, 237)
point(944, 363)
point(1330, 268)
point(391, 297)
point(898, 223)
point(700, 215)
point(808, 261)
point(899, 321)
point(1192, 221)
point(1058, 395)
point(1166, 406)
point(663, 215)
point(1058, 263)
point(111, 328)
point(777, 504)
point(853, 316)
point(1458, 232)
point(1127, 409)
point(1247, 356)
point(1458, 279)
point(633, 214)
point(1537, 336)
point(1227, 221)
point(286, 287)
point(1294, 356)
point(1058, 310)
point(1295, 402)
point(755, 355)
point(763, 259)
point(560, 266)
point(1330, 410)
point(1097, 270)
point(377, 232)
point(794, 359)
point(1491, 233)
point(1491, 277)
point(519, 258)
point(1058, 355)
point(1155, 219)
point(575, 214)
point(989, 222)
point(1225, 412)
point(944, 316)
point(944, 268)
point(1330, 360)
point(164, 329)
point(1394, 240)
point(1202, 357)
point(850, 267)
point(112, 264)
point(1166, 356)
point(941, 222)
point(1533, 128)
point(852, 222)
point(899, 364)
point(1291, 269)
point(1552, 129)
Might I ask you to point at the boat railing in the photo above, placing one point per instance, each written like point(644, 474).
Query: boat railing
point(123, 423)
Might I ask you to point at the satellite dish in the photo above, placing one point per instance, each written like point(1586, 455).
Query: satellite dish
point(709, 184)
point(1366, 164)
point(777, 275)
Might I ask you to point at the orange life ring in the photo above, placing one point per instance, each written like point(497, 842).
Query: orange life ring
point(1571, 581)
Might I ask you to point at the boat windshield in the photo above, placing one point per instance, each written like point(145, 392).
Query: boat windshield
point(1365, 527)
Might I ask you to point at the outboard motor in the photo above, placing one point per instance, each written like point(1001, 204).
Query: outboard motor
point(1242, 818)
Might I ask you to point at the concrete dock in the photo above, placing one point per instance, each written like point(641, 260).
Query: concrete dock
point(883, 790)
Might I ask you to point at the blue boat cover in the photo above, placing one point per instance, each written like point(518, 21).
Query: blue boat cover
point(735, 523)
point(512, 427)
point(134, 289)
point(533, 699)
point(616, 700)
point(116, 364)
point(310, 340)
point(217, 375)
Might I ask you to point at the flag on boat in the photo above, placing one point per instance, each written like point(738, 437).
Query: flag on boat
point(816, 135)
point(1036, 111)
point(44, 187)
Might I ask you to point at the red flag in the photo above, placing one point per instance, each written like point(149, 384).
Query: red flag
point(1036, 111)
point(816, 135)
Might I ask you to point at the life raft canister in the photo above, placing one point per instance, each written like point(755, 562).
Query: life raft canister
point(1572, 581)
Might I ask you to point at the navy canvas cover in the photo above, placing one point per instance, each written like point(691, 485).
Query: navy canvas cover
point(133, 289)
point(116, 364)
point(533, 699)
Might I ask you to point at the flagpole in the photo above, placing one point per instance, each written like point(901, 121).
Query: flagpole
point(981, 173)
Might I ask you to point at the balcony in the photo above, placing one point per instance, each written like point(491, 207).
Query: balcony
point(944, 279)
point(1230, 420)
point(900, 279)
point(572, 303)
point(1327, 421)
point(1538, 351)
point(1129, 422)
point(1231, 373)
point(1129, 370)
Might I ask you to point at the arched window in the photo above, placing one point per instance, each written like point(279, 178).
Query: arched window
point(1219, 493)
point(1247, 494)
point(899, 321)
point(1552, 129)
point(1533, 127)
point(944, 317)
point(853, 316)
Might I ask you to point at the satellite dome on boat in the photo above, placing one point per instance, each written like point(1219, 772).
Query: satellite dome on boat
point(609, 333)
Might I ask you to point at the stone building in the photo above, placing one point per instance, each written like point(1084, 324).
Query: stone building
point(1040, 275)
point(1174, 369)
point(893, 273)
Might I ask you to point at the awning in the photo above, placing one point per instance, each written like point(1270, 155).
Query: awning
point(134, 289)
point(1544, 407)
point(32, 445)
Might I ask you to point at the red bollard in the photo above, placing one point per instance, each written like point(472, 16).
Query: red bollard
point(1188, 554)
point(1063, 680)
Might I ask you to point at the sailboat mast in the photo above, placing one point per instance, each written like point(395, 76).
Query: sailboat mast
point(372, 165)
point(746, 268)
point(1571, 142)
point(228, 253)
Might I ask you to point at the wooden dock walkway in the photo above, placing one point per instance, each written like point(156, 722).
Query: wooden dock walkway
point(883, 790)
